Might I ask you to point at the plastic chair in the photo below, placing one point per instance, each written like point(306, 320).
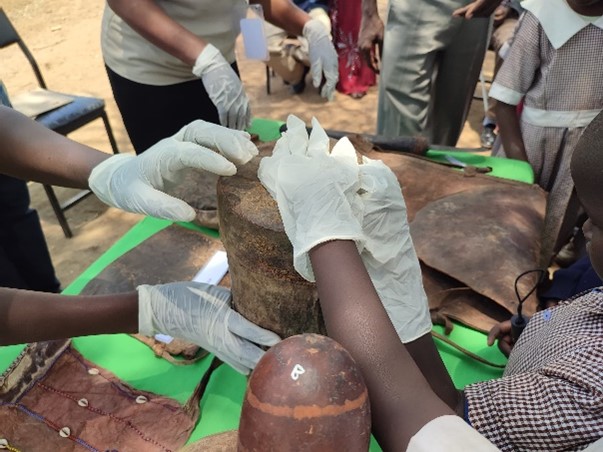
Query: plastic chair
point(63, 120)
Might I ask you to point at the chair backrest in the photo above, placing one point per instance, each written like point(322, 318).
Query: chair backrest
point(8, 36)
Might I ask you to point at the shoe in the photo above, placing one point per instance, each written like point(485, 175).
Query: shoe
point(488, 137)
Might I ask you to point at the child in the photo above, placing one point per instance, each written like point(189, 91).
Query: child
point(551, 395)
point(554, 66)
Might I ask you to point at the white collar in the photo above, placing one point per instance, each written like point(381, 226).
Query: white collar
point(558, 20)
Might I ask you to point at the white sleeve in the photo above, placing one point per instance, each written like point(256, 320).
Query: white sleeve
point(449, 433)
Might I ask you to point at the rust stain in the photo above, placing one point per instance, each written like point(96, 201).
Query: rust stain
point(306, 411)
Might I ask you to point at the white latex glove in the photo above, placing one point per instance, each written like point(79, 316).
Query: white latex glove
point(389, 255)
point(224, 88)
point(235, 145)
point(136, 183)
point(323, 57)
point(201, 313)
point(314, 189)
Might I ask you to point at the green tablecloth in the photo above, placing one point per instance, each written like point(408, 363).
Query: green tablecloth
point(136, 364)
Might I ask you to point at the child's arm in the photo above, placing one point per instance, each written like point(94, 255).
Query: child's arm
point(199, 313)
point(510, 132)
point(402, 401)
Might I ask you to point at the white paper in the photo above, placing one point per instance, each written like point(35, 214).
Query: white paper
point(254, 39)
point(214, 270)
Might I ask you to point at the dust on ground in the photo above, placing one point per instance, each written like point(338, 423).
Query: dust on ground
point(64, 37)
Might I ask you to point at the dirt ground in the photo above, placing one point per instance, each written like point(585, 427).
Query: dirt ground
point(64, 38)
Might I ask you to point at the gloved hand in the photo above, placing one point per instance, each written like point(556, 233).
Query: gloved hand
point(235, 145)
point(201, 313)
point(315, 190)
point(323, 57)
point(224, 88)
point(389, 255)
point(136, 183)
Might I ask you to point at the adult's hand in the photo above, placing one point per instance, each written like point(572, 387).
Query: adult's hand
point(224, 88)
point(137, 183)
point(323, 57)
point(477, 8)
point(370, 39)
point(201, 313)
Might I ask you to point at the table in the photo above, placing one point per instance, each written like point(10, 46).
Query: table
point(136, 364)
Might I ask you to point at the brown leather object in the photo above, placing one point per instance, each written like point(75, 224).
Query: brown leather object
point(471, 230)
point(485, 252)
point(54, 399)
point(266, 288)
point(220, 442)
point(173, 254)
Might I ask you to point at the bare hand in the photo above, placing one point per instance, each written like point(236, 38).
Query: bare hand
point(502, 332)
point(370, 40)
point(478, 8)
point(500, 14)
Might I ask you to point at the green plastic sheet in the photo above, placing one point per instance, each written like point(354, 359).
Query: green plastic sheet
point(136, 364)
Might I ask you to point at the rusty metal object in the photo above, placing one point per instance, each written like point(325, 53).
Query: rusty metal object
point(266, 288)
point(295, 400)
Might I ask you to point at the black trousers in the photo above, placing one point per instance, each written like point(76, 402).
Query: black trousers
point(151, 113)
point(24, 258)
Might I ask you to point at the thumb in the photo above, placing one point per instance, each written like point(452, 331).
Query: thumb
point(239, 325)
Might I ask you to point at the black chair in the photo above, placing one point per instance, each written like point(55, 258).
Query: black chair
point(63, 120)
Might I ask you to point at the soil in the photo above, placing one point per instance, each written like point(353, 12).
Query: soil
point(64, 38)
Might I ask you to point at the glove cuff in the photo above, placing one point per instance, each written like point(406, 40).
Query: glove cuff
point(314, 30)
point(100, 177)
point(208, 60)
point(145, 311)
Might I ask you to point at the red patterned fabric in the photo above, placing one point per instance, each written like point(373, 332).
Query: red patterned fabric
point(355, 76)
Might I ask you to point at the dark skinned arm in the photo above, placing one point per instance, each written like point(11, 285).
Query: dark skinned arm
point(402, 401)
point(30, 151)
point(151, 22)
point(27, 316)
point(370, 37)
point(510, 132)
point(284, 14)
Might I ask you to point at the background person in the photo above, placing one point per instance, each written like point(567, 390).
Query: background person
point(430, 64)
point(171, 62)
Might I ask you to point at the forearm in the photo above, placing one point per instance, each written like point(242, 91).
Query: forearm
point(151, 22)
point(30, 151)
point(27, 316)
point(401, 399)
point(369, 8)
point(284, 14)
point(510, 132)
